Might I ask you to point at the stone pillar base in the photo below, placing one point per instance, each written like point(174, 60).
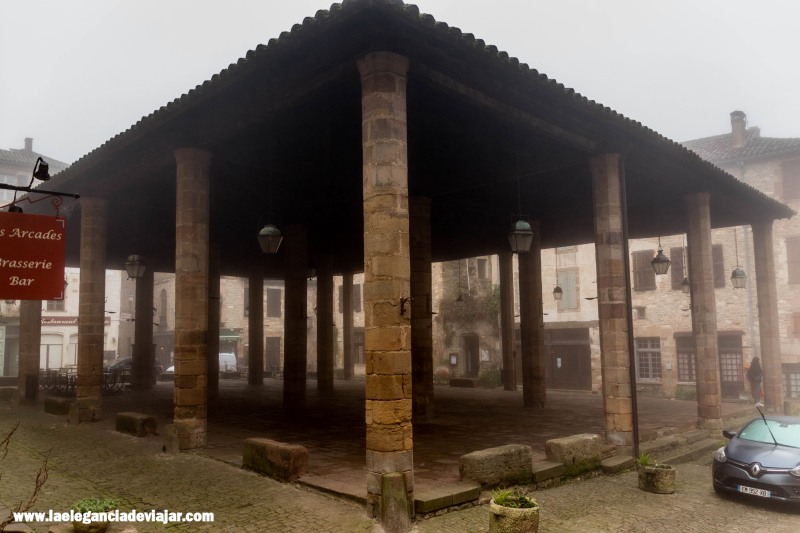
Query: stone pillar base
point(711, 424)
point(185, 434)
point(89, 409)
point(619, 438)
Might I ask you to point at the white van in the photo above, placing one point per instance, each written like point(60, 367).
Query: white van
point(227, 365)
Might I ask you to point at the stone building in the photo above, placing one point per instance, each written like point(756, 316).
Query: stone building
point(396, 143)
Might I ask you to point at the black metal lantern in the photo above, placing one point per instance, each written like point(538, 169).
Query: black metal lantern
point(739, 278)
point(520, 237)
point(685, 286)
point(41, 170)
point(660, 262)
point(558, 293)
point(270, 238)
point(135, 266)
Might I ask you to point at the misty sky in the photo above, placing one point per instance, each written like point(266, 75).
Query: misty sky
point(75, 73)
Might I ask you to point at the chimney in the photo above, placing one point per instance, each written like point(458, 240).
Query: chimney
point(738, 125)
point(28, 144)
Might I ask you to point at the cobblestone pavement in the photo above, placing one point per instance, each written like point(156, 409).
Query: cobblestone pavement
point(615, 504)
point(94, 460)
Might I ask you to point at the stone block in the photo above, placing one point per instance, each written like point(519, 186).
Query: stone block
point(397, 509)
point(510, 464)
point(279, 460)
point(136, 424)
point(544, 470)
point(578, 453)
point(88, 409)
point(57, 406)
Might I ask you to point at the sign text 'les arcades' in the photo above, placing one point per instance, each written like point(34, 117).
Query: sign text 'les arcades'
point(32, 250)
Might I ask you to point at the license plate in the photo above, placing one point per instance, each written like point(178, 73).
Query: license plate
point(755, 492)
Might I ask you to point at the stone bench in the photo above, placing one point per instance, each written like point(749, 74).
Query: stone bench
point(136, 424)
point(285, 462)
point(57, 406)
point(579, 453)
point(463, 382)
point(511, 464)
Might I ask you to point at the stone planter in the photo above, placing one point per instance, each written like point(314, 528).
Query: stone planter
point(511, 520)
point(659, 479)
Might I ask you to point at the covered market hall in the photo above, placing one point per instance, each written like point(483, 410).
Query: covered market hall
point(377, 139)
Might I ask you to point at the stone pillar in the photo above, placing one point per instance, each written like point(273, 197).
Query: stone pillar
point(387, 269)
point(191, 297)
point(347, 325)
point(91, 313)
point(507, 319)
point(531, 321)
point(704, 311)
point(295, 319)
point(325, 324)
point(214, 317)
point(768, 323)
point(612, 304)
point(144, 356)
point(30, 341)
point(420, 308)
point(255, 328)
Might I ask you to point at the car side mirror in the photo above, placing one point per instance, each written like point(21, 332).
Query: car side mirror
point(729, 434)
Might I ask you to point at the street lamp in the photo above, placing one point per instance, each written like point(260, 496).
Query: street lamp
point(270, 238)
point(660, 262)
point(135, 267)
point(520, 237)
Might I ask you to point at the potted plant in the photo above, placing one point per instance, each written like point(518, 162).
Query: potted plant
point(658, 478)
point(512, 513)
point(90, 506)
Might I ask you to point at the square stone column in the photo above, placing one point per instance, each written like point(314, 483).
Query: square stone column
point(191, 297)
point(531, 323)
point(324, 314)
point(347, 325)
point(612, 305)
point(255, 327)
point(144, 355)
point(420, 307)
point(768, 321)
point(91, 314)
point(214, 317)
point(30, 341)
point(387, 269)
point(295, 318)
point(704, 311)
point(507, 319)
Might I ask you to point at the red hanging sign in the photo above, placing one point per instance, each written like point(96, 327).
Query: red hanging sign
point(32, 251)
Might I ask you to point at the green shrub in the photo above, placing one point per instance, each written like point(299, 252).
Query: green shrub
point(490, 378)
point(507, 498)
point(94, 505)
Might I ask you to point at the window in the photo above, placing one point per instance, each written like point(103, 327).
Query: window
point(483, 269)
point(640, 313)
point(676, 256)
point(790, 179)
point(274, 303)
point(793, 258)
point(686, 365)
point(568, 281)
point(792, 385)
point(648, 358)
point(644, 277)
point(55, 305)
point(719, 265)
point(795, 333)
point(677, 268)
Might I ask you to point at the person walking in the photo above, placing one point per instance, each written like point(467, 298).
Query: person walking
point(754, 376)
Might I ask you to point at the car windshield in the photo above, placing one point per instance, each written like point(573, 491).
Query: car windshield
point(786, 433)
